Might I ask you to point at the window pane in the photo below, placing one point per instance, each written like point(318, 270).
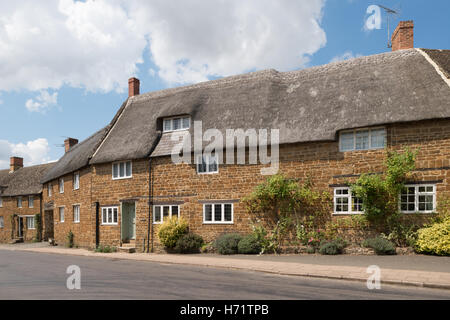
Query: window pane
point(122, 169)
point(158, 214)
point(347, 141)
point(167, 125)
point(430, 189)
point(228, 212)
point(217, 212)
point(104, 213)
point(176, 123)
point(208, 212)
point(128, 168)
point(166, 211)
point(109, 215)
point(115, 170)
point(212, 164)
point(175, 212)
point(186, 122)
point(378, 138)
point(115, 215)
point(362, 140)
point(421, 189)
point(201, 165)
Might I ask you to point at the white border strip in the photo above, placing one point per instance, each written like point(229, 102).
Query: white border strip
point(434, 64)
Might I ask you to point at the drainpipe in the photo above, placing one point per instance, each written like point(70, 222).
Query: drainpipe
point(97, 210)
point(150, 196)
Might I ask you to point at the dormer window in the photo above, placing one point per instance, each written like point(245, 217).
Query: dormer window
point(362, 139)
point(177, 123)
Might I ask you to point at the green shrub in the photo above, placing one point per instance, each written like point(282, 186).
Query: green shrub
point(70, 239)
point(310, 250)
point(333, 247)
point(189, 243)
point(249, 245)
point(228, 243)
point(172, 230)
point(105, 249)
point(435, 239)
point(381, 245)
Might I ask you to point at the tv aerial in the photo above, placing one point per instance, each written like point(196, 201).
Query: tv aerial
point(389, 13)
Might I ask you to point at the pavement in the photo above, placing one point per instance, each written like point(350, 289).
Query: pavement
point(410, 270)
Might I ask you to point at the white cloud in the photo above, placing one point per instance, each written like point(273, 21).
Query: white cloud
point(345, 56)
point(43, 102)
point(32, 152)
point(98, 44)
point(193, 40)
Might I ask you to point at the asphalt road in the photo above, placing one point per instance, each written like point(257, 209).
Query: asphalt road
point(27, 275)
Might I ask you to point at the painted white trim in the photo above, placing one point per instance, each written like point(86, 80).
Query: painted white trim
point(349, 197)
point(79, 212)
point(73, 180)
point(354, 131)
point(161, 212)
point(416, 199)
point(200, 161)
point(176, 117)
point(434, 64)
point(59, 185)
point(59, 214)
point(222, 213)
point(119, 162)
point(110, 223)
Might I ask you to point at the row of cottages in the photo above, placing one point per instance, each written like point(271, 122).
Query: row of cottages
point(334, 123)
point(21, 201)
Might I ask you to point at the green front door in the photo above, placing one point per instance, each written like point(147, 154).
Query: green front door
point(128, 221)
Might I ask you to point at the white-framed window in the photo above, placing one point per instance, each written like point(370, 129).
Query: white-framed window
point(31, 202)
point(122, 170)
point(419, 198)
point(1, 202)
point(61, 185)
point(345, 202)
point(19, 202)
point(110, 215)
point(30, 222)
point(176, 123)
point(163, 212)
point(218, 213)
point(362, 139)
point(49, 189)
point(207, 164)
point(2, 222)
point(61, 214)
point(76, 213)
point(76, 181)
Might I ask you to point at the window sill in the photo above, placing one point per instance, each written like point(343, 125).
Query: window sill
point(228, 222)
point(122, 178)
point(109, 224)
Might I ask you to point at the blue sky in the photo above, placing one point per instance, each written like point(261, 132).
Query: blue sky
point(67, 77)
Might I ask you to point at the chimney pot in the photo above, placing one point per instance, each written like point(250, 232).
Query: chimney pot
point(403, 36)
point(15, 163)
point(133, 87)
point(69, 143)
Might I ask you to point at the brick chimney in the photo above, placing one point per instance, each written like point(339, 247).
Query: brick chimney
point(133, 87)
point(403, 36)
point(69, 143)
point(15, 163)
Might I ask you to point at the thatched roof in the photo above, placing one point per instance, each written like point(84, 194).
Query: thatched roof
point(24, 181)
point(77, 157)
point(307, 105)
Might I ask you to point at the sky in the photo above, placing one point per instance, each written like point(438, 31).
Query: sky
point(65, 64)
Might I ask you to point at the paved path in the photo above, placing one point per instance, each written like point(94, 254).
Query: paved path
point(437, 277)
point(32, 275)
